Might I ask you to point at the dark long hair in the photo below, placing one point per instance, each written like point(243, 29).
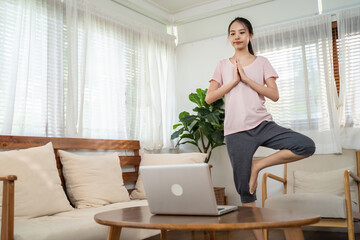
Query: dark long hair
point(249, 27)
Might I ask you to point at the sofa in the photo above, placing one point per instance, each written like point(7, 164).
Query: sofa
point(53, 187)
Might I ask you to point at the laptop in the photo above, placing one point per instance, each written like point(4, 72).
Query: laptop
point(184, 189)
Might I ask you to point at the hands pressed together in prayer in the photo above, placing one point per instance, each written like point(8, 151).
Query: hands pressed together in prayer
point(239, 73)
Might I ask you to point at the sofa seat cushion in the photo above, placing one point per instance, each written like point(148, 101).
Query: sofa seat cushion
point(78, 224)
point(326, 205)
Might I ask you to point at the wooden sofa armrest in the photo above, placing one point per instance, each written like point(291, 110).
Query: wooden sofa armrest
point(347, 175)
point(264, 185)
point(354, 176)
point(7, 215)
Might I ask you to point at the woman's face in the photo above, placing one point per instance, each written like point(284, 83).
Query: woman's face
point(239, 35)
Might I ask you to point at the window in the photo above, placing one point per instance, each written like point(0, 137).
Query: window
point(69, 71)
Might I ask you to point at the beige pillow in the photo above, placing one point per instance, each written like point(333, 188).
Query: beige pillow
point(38, 190)
point(164, 159)
point(93, 181)
point(331, 182)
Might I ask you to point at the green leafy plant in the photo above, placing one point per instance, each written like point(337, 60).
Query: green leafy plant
point(205, 129)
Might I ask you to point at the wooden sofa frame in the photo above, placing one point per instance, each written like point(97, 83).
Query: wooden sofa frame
point(21, 142)
point(351, 215)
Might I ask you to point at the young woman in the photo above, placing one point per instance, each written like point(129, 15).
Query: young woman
point(246, 79)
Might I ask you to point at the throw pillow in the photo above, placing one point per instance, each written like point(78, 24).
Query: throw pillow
point(93, 181)
point(164, 159)
point(38, 189)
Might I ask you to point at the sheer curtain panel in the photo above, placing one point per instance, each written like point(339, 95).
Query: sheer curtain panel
point(349, 61)
point(32, 68)
point(301, 53)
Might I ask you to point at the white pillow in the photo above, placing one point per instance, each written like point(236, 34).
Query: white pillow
point(38, 189)
point(93, 181)
point(164, 159)
point(331, 182)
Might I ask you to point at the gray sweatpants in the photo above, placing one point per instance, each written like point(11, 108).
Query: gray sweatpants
point(242, 145)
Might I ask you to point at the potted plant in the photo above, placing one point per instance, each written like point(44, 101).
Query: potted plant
point(205, 128)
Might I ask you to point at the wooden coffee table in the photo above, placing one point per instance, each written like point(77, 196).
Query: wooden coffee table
point(243, 218)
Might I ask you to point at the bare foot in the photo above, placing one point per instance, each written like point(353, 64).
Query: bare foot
point(253, 178)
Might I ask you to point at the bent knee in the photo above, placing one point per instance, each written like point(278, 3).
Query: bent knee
point(305, 147)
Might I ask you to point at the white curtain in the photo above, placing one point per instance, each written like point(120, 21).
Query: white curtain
point(301, 53)
point(155, 110)
point(68, 70)
point(31, 72)
point(349, 59)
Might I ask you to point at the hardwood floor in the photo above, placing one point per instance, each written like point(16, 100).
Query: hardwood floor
point(247, 235)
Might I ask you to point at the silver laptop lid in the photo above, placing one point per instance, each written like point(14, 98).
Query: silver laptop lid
point(184, 189)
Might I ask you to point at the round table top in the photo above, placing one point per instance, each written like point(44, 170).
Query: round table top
point(243, 218)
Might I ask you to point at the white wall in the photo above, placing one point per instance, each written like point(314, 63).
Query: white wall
point(203, 43)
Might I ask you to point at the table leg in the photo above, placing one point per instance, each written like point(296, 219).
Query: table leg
point(163, 234)
point(212, 235)
point(114, 233)
point(294, 233)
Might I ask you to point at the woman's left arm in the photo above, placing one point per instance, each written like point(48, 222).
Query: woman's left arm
point(270, 90)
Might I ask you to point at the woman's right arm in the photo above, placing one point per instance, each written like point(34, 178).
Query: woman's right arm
point(215, 91)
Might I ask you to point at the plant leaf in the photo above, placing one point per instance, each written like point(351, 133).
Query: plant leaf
point(218, 104)
point(206, 129)
point(217, 125)
point(218, 137)
point(197, 136)
point(195, 99)
point(201, 96)
point(177, 133)
point(183, 114)
point(188, 119)
point(213, 118)
point(190, 136)
point(202, 111)
point(176, 125)
point(191, 142)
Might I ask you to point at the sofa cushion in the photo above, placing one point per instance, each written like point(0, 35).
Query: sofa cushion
point(164, 159)
point(323, 204)
point(78, 224)
point(38, 190)
point(93, 181)
point(331, 182)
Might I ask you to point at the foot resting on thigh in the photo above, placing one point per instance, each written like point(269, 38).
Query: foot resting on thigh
point(253, 178)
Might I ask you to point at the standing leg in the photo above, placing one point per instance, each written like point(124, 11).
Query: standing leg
point(241, 147)
point(258, 233)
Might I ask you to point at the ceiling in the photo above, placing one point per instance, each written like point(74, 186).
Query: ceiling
point(177, 12)
point(174, 6)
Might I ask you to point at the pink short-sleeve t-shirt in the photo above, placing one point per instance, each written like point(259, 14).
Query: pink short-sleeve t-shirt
point(244, 107)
